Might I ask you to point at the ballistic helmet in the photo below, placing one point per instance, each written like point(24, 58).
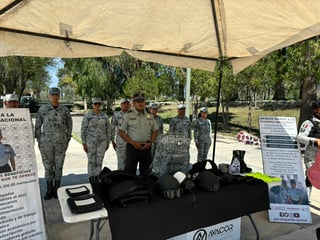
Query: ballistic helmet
point(169, 187)
point(207, 180)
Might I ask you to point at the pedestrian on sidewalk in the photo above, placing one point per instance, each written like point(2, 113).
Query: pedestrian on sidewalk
point(139, 130)
point(119, 145)
point(202, 134)
point(95, 136)
point(53, 129)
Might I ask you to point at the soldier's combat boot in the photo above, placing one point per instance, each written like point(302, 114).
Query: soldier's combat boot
point(49, 193)
point(243, 166)
point(55, 188)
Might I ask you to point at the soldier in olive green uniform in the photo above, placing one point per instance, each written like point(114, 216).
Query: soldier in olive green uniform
point(139, 130)
point(202, 134)
point(95, 136)
point(118, 143)
point(53, 130)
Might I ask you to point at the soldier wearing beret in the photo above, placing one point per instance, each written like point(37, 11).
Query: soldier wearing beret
point(95, 136)
point(139, 130)
point(53, 130)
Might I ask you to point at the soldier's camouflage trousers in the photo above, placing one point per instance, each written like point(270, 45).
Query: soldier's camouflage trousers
point(53, 154)
point(96, 152)
point(121, 156)
point(203, 149)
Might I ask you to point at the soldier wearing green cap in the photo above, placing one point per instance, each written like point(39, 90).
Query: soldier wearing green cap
point(139, 130)
point(95, 136)
point(202, 134)
point(53, 130)
point(119, 145)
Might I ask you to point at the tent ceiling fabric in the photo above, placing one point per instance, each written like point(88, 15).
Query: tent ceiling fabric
point(172, 32)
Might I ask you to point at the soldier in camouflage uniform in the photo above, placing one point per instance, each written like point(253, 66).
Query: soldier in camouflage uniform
point(118, 143)
point(7, 155)
point(95, 136)
point(139, 130)
point(154, 111)
point(180, 125)
point(309, 135)
point(53, 130)
point(202, 134)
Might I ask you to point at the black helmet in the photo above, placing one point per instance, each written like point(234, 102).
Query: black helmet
point(169, 187)
point(316, 104)
point(207, 180)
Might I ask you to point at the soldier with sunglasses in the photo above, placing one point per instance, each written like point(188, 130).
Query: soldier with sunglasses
point(95, 136)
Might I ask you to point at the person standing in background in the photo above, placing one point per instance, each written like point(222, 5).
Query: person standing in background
point(309, 135)
point(53, 131)
point(202, 134)
point(154, 111)
point(180, 125)
point(95, 136)
point(11, 101)
point(139, 130)
point(119, 145)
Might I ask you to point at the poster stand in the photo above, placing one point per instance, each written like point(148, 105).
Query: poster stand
point(282, 158)
point(21, 215)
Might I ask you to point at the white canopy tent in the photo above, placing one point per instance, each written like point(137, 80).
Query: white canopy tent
point(172, 32)
point(182, 33)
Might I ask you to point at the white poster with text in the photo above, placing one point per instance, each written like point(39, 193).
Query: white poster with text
point(21, 215)
point(282, 158)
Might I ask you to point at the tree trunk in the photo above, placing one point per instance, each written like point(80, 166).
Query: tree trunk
point(308, 95)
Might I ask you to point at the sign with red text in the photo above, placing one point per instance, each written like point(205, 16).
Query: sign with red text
point(282, 158)
point(21, 215)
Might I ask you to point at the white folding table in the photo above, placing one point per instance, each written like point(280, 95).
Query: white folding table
point(95, 216)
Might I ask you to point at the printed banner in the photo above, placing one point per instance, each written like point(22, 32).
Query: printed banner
point(21, 215)
point(282, 158)
point(221, 231)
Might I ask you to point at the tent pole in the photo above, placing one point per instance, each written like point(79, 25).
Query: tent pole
point(221, 59)
point(217, 111)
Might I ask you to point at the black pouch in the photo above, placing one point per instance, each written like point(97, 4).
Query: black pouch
point(85, 203)
point(77, 191)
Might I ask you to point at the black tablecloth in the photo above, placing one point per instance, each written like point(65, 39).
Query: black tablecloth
point(163, 218)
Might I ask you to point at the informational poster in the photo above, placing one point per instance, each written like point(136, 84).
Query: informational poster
point(228, 230)
point(21, 215)
point(282, 158)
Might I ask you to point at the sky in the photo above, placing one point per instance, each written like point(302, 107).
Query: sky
point(53, 73)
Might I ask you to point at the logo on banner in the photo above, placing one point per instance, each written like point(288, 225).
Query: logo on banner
point(201, 234)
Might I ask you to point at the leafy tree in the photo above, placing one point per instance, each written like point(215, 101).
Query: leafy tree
point(17, 74)
point(144, 81)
